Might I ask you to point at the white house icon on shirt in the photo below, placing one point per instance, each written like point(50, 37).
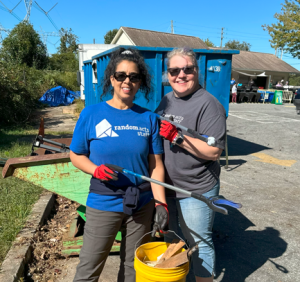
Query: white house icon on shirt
point(103, 129)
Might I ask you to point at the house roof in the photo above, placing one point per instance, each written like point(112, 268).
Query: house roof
point(260, 61)
point(149, 38)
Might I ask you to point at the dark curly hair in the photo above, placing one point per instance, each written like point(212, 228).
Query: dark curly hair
point(131, 55)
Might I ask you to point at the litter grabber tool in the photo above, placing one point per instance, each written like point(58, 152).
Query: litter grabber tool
point(212, 202)
point(209, 140)
point(38, 143)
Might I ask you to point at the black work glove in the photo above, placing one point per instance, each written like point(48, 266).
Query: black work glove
point(161, 218)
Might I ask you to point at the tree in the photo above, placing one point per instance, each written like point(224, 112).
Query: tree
point(24, 46)
point(109, 36)
point(209, 43)
point(68, 41)
point(237, 45)
point(286, 32)
point(64, 62)
point(66, 59)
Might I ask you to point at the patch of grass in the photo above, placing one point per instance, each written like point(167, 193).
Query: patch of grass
point(17, 196)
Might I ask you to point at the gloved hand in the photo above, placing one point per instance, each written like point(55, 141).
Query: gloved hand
point(168, 130)
point(161, 218)
point(104, 173)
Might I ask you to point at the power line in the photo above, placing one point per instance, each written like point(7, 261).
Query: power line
point(249, 37)
point(241, 32)
point(184, 28)
point(200, 26)
point(161, 24)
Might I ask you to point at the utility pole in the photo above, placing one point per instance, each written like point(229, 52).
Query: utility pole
point(222, 32)
point(172, 27)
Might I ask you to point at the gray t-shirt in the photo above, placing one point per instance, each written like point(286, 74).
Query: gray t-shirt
point(202, 112)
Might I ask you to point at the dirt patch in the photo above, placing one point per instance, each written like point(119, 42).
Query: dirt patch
point(48, 243)
point(55, 119)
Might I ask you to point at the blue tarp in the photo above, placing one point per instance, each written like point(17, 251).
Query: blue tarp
point(59, 96)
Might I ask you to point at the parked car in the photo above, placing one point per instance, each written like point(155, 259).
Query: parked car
point(297, 101)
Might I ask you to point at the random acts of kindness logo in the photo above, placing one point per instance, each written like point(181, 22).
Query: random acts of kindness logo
point(105, 129)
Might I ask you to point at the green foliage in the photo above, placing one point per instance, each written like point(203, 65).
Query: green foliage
point(24, 46)
point(21, 87)
point(286, 32)
point(64, 62)
point(68, 41)
point(208, 43)
point(19, 93)
point(237, 45)
point(66, 59)
point(294, 80)
point(56, 78)
point(109, 36)
point(23, 77)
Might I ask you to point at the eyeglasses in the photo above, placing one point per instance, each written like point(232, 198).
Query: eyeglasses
point(121, 76)
point(186, 70)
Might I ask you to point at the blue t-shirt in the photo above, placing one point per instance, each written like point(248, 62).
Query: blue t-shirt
point(121, 137)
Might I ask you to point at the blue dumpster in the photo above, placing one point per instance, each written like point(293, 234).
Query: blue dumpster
point(214, 74)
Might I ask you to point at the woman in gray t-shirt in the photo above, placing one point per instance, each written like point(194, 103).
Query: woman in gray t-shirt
point(189, 162)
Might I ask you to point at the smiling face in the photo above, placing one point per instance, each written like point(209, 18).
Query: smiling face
point(183, 84)
point(125, 90)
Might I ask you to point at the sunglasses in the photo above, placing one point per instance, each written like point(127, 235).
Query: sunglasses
point(186, 70)
point(121, 76)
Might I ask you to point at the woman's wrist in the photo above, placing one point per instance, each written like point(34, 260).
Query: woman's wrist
point(162, 204)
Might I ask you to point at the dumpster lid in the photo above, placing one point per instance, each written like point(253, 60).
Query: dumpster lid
point(164, 49)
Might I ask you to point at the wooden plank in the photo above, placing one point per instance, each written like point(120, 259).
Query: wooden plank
point(172, 249)
point(178, 259)
point(175, 261)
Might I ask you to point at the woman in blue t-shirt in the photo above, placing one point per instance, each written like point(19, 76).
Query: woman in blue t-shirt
point(122, 133)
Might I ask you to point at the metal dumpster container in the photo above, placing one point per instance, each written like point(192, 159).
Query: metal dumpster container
point(214, 74)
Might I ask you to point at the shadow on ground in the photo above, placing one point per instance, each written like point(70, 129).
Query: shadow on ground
point(240, 147)
point(240, 252)
point(232, 164)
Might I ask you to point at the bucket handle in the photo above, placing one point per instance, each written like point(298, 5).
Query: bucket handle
point(166, 232)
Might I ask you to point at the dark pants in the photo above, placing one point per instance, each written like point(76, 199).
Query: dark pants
point(100, 231)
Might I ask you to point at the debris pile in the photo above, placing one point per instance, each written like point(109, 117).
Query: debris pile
point(47, 242)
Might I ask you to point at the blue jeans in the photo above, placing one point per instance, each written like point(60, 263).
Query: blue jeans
point(192, 220)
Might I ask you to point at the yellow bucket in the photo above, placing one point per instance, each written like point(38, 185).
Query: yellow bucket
point(146, 273)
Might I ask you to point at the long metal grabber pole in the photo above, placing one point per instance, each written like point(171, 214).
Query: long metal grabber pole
point(212, 202)
point(37, 143)
point(209, 140)
point(58, 150)
point(41, 138)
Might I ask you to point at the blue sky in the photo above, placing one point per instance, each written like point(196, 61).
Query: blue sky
point(91, 19)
